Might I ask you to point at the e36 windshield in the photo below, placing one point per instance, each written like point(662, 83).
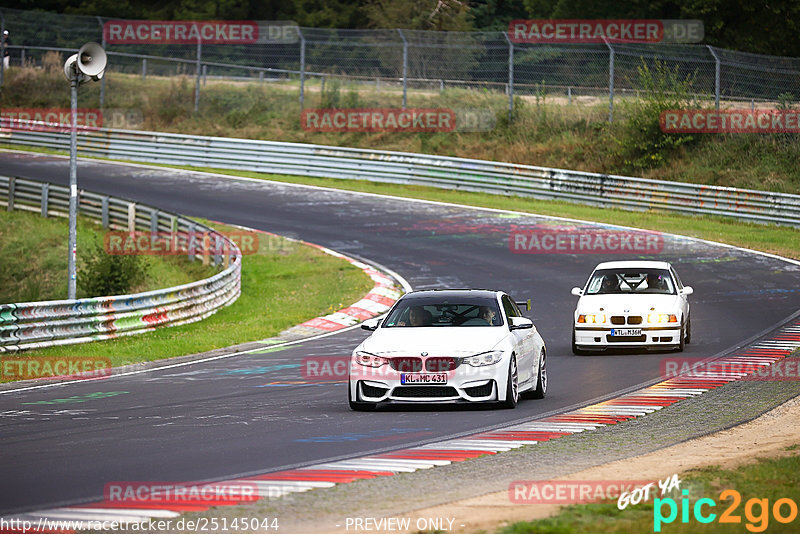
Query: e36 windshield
point(631, 281)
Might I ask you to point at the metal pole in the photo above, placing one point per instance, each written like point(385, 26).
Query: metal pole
point(510, 77)
point(302, 68)
point(405, 67)
point(610, 82)
point(716, 76)
point(3, 49)
point(197, 83)
point(73, 188)
point(144, 68)
point(103, 79)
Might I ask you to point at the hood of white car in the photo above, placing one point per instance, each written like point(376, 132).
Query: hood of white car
point(435, 340)
point(628, 304)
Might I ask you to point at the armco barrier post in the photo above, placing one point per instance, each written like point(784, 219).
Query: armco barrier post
point(45, 198)
point(11, 186)
point(104, 211)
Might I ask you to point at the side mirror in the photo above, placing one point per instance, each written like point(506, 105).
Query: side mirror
point(371, 324)
point(520, 323)
point(687, 290)
point(578, 292)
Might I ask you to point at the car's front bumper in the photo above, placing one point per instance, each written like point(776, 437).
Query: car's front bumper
point(599, 337)
point(464, 384)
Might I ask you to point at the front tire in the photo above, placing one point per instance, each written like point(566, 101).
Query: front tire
point(357, 405)
point(682, 343)
point(575, 350)
point(512, 385)
point(689, 330)
point(541, 380)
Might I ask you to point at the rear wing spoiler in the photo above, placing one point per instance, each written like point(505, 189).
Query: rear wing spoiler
point(526, 304)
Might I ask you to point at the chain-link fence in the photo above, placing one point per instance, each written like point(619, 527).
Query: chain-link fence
point(412, 59)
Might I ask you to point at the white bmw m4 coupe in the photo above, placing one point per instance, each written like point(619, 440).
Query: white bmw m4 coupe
point(449, 346)
point(631, 304)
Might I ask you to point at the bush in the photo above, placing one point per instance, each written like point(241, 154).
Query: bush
point(104, 274)
point(641, 142)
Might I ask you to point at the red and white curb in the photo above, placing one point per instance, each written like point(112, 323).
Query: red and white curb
point(376, 302)
point(638, 403)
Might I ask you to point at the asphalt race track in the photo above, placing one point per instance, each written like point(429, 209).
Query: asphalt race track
point(235, 416)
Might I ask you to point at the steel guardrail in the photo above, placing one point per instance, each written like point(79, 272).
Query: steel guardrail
point(31, 325)
point(420, 169)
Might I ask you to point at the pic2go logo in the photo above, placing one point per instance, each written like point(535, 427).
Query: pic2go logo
point(756, 511)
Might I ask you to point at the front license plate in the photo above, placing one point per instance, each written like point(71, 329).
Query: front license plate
point(423, 378)
point(626, 332)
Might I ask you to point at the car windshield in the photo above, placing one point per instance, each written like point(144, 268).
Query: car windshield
point(437, 312)
point(631, 281)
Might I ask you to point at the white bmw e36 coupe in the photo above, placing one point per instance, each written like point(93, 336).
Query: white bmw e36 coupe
point(448, 346)
point(632, 304)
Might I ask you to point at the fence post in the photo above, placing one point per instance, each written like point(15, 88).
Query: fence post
point(205, 75)
point(569, 94)
point(716, 76)
point(610, 81)
point(405, 66)
point(45, 198)
point(144, 68)
point(510, 77)
point(103, 79)
point(302, 68)
point(198, 73)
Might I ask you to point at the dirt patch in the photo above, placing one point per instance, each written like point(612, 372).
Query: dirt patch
point(767, 436)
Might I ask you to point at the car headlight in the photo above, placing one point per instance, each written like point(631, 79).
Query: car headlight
point(370, 360)
point(592, 318)
point(660, 318)
point(484, 358)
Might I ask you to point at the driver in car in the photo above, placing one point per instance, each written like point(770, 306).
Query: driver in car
point(609, 284)
point(654, 281)
point(487, 314)
point(417, 316)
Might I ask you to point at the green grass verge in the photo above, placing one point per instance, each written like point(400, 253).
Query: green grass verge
point(283, 284)
point(772, 479)
point(34, 259)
